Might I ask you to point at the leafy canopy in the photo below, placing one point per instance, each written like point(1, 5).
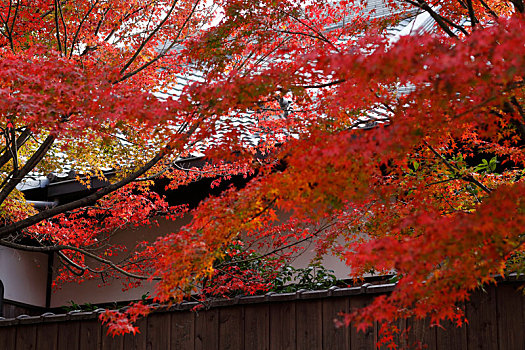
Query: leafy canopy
point(432, 189)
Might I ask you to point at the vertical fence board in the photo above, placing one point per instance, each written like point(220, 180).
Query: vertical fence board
point(309, 320)
point(496, 321)
point(8, 337)
point(90, 335)
point(112, 343)
point(26, 337)
point(451, 337)
point(420, 334)
point(256, 327)
point(137, 341)
point(47, 336)
point(69, 335)
point(182, 330)
point(207, 330)
point(231, 328)
point(335, 337)
point(362, 340)
point(158, 331)
point(511, 325)
point(282, 326)
point(482, 330)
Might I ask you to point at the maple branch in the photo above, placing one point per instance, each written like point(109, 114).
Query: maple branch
point(145, 41)
point(297, 33)
point(99, 24)
point(165, 51)
point(515, 102)
point(166, 169)
point(320, 86)
point(70, 264)
point(455, 170)
point(20, 141)
point(319, 33)
point(122, 20)
point(439, 19)
point(9, 31)
point(269, 253)
point(57, 27)
point(60, 248)
point(6, 230)
point(30, 165)
point(15, 16)
point(473, 19)
point(509, 109)
point(13, 147)
point(64, 25)
point(510, 87)
point(440, 182)
point(518, 5)
point(75, 37)
point(261, 58)
point(90, 199)
point(490, 11)
point(321, 229)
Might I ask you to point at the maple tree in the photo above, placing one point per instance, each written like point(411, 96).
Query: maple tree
point(429, 187)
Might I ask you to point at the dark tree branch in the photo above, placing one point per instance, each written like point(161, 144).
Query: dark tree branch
point(319, 34)
point(472, 16)
point(75, 37)
point(15, 16)
point(14, 146)
point(20, 141)
point(57, 26)
point(166, 50)
point(320, 86)
point(88, 200)
point(487, 7)
point(455, 170)
point(141, 47)
point(61, 248)
point(439, 19)
point(30, 165)
point(518, 5)
point(64, 25)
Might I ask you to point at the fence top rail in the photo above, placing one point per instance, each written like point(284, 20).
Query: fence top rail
point(303, 294)
point(271, 297)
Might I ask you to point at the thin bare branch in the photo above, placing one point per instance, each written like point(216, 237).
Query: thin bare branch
point(57, 26)
point(472, 16)
point(61, 248)
point(439, 19)
point(148, 39)
point(84, 18)
point(166, 50)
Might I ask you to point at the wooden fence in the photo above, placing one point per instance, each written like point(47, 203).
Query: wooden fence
point(280, 321)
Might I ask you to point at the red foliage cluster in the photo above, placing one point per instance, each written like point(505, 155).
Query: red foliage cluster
point(432, 191)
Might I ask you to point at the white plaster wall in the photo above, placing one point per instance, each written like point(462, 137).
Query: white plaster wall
point(24, 275)
point(91, 292)
point(329, 261)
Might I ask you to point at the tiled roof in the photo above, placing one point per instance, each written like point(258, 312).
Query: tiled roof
point(246, 123)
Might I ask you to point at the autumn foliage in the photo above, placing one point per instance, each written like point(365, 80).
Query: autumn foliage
point(400, 154)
